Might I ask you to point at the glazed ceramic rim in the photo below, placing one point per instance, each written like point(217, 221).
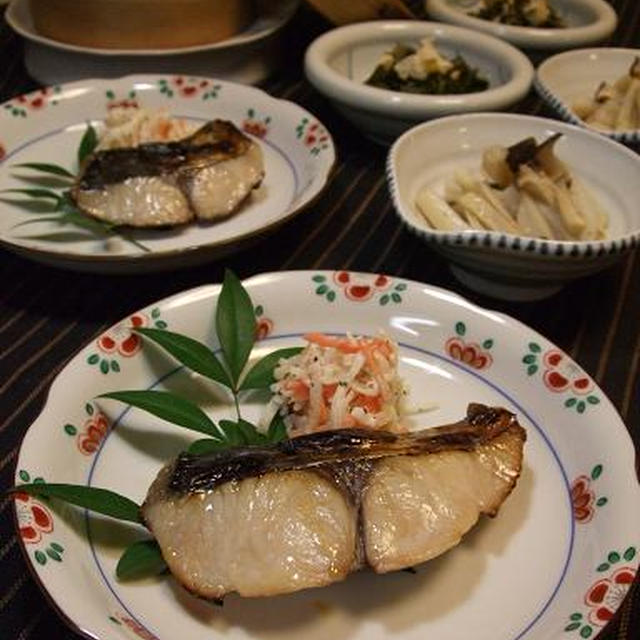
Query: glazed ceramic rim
point(562, 108)
point(533, 37)
point(505, 242)
point(276, 19)
point(397, 104)
point(439, 295)
point(311, 194)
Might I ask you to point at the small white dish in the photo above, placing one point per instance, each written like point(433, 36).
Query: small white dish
point(569, 76)
point(47, 126)
point(589, 22)
point(570, 526)
point(499, 264)
point(248, 57)
point(339, 61)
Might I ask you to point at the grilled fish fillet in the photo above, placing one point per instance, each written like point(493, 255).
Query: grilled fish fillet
point(306, 512)
point(206, 176)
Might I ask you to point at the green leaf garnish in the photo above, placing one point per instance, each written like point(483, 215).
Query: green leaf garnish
point(250, 433)
point(191, 353)
point(277, 429)
point(87, 145)
point(235, 324)
point(170, 407)
point(232, 434)
point(101, 501)
point(140, 560)
point(260, 375)
point(207, 445)
point(36, 193)
point(45, 167)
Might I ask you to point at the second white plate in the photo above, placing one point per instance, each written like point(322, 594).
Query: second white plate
point(46, 126)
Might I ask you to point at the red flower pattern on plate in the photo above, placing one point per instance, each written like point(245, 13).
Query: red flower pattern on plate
point(582, 499)
point(137, 628)
point(468, 352)
point(562, 374)
point(359, 287)
point(95, 429)
point(255, 128)
point(189, 87)
point(35, 100)
point(125, 103)
point(3, 153)
point(313, 135)
point(264, 326)
point(254, 125)
point(606, 595)
point(34, 518)
point(121, 339)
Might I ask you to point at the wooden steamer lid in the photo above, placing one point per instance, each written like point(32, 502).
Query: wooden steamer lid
point(140, 24)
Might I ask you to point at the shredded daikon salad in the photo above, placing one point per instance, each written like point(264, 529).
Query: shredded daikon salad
point(132, 126)
point(340, 382)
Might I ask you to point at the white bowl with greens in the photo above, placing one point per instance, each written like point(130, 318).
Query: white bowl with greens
point(339, 63)
point(583, 22)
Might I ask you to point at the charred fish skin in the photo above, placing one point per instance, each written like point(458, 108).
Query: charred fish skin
point(389, 501)
point(206, 175)
point(193, 473)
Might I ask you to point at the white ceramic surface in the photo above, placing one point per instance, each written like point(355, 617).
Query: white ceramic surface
point(46, 126)
point(589, 22)
point(248, 57)
point(504, 265)
point(566, 77)
point(339, 61)
point(571, 523)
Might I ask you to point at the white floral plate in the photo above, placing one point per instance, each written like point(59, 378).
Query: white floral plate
point(47, 125)
point(555, 563)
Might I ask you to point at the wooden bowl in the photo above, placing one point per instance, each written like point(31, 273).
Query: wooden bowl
point(140, 24)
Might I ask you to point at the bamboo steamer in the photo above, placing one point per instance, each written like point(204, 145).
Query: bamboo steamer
point(140, 24)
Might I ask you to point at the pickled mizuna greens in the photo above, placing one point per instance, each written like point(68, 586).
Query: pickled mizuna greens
point(520, 13)
point(426, 71)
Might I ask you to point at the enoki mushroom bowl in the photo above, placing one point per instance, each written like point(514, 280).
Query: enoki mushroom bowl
point(568, 78)
point(511, 265)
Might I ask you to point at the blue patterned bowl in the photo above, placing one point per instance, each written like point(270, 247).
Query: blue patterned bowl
point(501, 264)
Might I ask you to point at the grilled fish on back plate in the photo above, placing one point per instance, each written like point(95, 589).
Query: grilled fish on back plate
point(308, 511)
point(206, 175)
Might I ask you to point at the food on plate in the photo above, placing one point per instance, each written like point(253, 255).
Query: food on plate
point(206, 175)
point(613, 107)
point(306, 512)
point(338, 382)
point(521, 13)
point(130, 126)
point(524, 189)
point(425, 70)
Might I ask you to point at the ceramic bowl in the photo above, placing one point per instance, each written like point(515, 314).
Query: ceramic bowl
point(248, 57)
point(510, 266)
point(568, 76)
point(338, 62)
point(589, 21)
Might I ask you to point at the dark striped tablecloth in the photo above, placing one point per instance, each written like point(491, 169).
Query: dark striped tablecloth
point(46, 315)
